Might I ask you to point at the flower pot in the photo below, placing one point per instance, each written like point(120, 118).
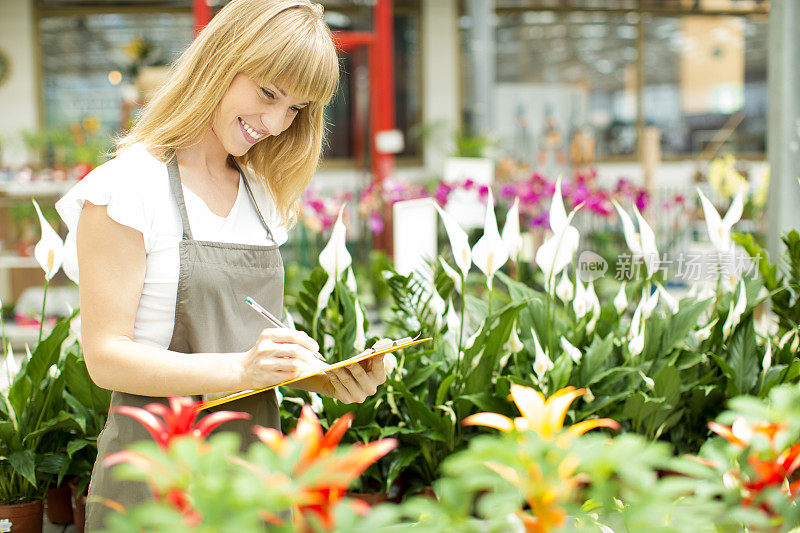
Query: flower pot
point(58, 505)
point(78, 508)
point(24, 517)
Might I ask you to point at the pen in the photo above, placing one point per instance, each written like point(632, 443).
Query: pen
point(272, 320)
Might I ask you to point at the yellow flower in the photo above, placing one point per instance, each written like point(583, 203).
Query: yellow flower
point(543, 416)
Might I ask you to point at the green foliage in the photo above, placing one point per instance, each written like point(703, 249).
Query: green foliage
point(781, 279)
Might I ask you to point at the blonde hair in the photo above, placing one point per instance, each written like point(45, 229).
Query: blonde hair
point(283, 42)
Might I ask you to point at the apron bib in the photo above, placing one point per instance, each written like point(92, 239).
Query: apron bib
point(210, 316)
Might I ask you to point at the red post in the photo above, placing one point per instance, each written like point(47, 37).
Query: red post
point(382, 117)
point(202, 14)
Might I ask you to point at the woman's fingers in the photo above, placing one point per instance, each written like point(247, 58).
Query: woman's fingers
point(288, 335)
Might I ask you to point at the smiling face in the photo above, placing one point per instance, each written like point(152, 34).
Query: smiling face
point(249, 113)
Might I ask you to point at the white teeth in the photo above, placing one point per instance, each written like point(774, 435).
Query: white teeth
point(251, 131)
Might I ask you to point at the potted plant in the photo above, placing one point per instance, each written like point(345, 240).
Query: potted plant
point(31, 411)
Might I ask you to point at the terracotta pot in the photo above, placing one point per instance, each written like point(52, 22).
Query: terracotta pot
point(24, 517)
point(78, 509)
point(58, 505)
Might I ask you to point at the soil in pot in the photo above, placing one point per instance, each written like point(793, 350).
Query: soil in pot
point(24, 517)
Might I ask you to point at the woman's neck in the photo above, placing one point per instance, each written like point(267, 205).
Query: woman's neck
point(207, 157)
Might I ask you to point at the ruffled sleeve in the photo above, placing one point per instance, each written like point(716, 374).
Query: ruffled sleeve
point(117, 184)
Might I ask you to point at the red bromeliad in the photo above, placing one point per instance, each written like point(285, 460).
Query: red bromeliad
point(179, 419)
point(320, 497)
point(774, 469)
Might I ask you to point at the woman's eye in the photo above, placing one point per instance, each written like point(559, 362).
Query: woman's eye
point(295, 109)
point(268, 94)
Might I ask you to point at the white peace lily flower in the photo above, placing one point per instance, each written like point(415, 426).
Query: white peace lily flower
point(604, 528)
point(580, 304)
point(704, 333)
point(361, 337)
point(785, 338)
point(591, 299)
point(490, 252)
point(719, 229)
point(541, 362)
point(514, 345)
point(351, 280)
point(767, 361)
point(649, 303)
point(471, 340)
point(334, 259)
point(588, 397)
point(451, 273)
point(49, 251)
point(5, 525)
point(668, 299)
point(511, 235)
point(458, 240)
point(564, 290)
point(649, 382)
point(12, 367)
point(736, 311)
point(28, 353)
point(389, 363)
point(642, 244)
point(636, 344)
point(574, 353)
point(557, 251)
point(288, 319)
point(636, 334)
point(316, 402)
point(621, 300)
point(453, 326)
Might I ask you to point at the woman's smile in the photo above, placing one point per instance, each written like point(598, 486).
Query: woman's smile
point(251, 135)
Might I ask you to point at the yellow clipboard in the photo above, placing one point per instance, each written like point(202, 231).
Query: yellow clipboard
point(369, 353)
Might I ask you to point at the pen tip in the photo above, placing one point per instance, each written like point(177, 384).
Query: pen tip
point(248, 299)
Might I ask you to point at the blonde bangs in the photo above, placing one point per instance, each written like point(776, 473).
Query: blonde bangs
point(306, 68)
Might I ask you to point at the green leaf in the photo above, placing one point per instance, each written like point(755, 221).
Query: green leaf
point(398, 462)
point(444, 388)
point(681, 324)
point(24, 463)
point(743, 357)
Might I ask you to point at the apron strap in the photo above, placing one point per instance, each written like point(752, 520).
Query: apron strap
point(253, 200)
point(177, 192)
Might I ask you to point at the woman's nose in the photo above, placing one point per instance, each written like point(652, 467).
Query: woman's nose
point(271, 122)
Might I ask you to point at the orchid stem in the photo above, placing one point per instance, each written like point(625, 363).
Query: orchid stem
point(44, 300)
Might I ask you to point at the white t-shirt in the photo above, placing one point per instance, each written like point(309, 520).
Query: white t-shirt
point(135, 187)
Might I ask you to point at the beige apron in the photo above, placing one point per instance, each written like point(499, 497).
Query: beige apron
point(210, 316)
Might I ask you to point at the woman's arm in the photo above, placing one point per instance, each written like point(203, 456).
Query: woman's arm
point(111, 262)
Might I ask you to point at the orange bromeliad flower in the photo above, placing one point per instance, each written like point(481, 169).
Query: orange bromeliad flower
point(543, 416)
point(320, 497)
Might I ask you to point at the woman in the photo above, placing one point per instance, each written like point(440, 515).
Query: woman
point(185, 221)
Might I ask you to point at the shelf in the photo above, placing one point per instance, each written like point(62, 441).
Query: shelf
point(18, 261)
point(35, 188)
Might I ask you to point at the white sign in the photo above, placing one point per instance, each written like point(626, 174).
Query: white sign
point(414, 233)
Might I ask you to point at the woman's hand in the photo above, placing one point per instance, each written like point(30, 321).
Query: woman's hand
point(279, 354)
point(354, 383)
